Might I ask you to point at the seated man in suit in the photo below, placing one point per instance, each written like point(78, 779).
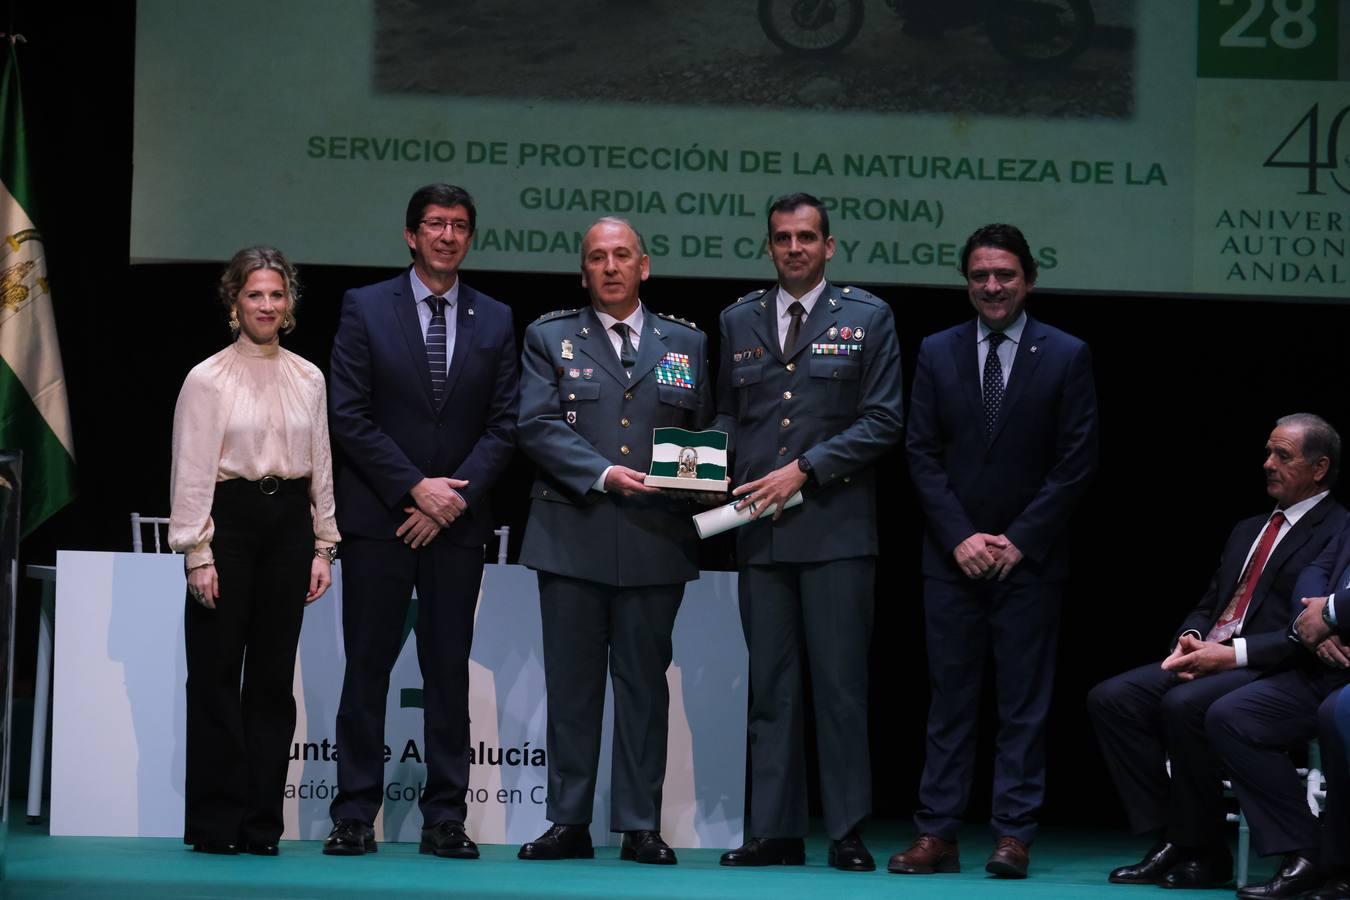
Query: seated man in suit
point(1285, 710)
point(1237, 632)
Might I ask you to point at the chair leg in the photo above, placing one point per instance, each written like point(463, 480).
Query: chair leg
point(1244, 850)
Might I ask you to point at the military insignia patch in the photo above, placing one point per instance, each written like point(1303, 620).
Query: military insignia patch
point(571, 417)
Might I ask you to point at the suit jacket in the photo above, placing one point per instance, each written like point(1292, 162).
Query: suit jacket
point(580, 413)
point(1267, 616)
point(1025, 479)
point(836, 401)
point(1328, 574)
point(388, 433)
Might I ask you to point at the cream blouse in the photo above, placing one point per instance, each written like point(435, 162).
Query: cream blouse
point(246, 412)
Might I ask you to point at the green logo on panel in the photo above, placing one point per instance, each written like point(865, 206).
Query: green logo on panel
point(1269, 39)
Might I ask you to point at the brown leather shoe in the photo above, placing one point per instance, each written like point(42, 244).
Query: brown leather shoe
point(928, 854)
point(1009, 859)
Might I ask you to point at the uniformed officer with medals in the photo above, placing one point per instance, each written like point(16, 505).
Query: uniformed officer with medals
point(612, 553)
point(809, 389)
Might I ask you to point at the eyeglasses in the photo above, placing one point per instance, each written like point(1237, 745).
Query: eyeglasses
point(438, 226)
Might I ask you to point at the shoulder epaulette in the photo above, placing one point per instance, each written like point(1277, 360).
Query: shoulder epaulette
point(753, 295)
point(669, 318)
point(558, 314)
point(857, 293)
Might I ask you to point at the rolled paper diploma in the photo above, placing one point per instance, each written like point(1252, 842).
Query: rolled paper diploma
point(727, 517)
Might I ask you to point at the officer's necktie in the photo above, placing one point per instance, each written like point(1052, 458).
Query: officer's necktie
point(627, 355)
point(796, 311)
point(993, 381)
point(436, 349)
point(1228, 623)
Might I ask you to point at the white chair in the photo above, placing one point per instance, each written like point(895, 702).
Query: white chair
point(138, 522)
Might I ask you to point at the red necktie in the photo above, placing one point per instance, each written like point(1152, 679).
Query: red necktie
point(1237, 607)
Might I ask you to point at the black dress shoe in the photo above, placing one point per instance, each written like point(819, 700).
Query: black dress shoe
point(350, 837)
point(1337, 888)
point(646, 847)
point(219, 848)
point(1211, 868)
point(850, 854)
point(261, 848)
point(560, 842)
point(448, 841)
point(1297, 875)
point(767, 852)
point(1155, 864)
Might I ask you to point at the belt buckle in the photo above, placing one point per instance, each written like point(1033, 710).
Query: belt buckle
point(269, 484)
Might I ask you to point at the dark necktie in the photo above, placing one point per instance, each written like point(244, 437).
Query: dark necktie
point(796, 311)
point(436, 349)
point(627, 355)
point(993, 381)
point(1228, 623)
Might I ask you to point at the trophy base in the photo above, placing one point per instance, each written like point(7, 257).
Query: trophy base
point(716, 485)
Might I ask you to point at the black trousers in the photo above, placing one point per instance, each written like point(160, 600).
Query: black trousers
point(378, 577)
point(591, 629)
point(819, 615)
point(1146, 716)
point(1018, 624)
point(241, 663)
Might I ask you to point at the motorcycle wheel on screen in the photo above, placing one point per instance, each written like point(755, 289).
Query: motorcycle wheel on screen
point(1041, 33)
point(811, 27)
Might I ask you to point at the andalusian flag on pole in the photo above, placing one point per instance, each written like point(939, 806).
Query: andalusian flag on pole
point(34, 416)
point(691, 460)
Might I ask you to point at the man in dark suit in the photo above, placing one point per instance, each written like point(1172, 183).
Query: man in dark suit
point(613, 554)
point(1002, 443)
point(809, 389)
point(1253, 729)
point(423, 410)
point(1156, 713)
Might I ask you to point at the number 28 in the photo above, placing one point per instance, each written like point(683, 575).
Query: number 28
point(1292, 28)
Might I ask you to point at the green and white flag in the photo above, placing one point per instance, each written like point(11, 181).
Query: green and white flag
point(696, 460)
point(34, 415)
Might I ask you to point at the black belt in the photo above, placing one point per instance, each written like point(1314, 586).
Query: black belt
point(267, 485)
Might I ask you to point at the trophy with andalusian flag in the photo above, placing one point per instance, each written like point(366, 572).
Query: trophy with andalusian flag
point(688, 460)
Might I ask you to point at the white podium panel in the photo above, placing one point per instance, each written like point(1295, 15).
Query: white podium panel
point(118, 712)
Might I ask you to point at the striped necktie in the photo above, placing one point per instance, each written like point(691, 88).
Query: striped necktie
point(436, 349)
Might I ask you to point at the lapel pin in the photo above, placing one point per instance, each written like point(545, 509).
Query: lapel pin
point(585, 329)
point(470, 310)
point(1033, 348)
point(656, 331)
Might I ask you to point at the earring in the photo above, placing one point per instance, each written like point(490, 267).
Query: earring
point(234, 321)
point(288, 323)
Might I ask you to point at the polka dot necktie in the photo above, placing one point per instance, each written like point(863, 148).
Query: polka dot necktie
point(993, 382)
point(436, 349)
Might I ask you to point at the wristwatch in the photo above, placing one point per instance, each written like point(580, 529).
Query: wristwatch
point(1326, 613)
point(804, 465)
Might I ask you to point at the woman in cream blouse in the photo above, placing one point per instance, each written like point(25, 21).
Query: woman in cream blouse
point(252, 507)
